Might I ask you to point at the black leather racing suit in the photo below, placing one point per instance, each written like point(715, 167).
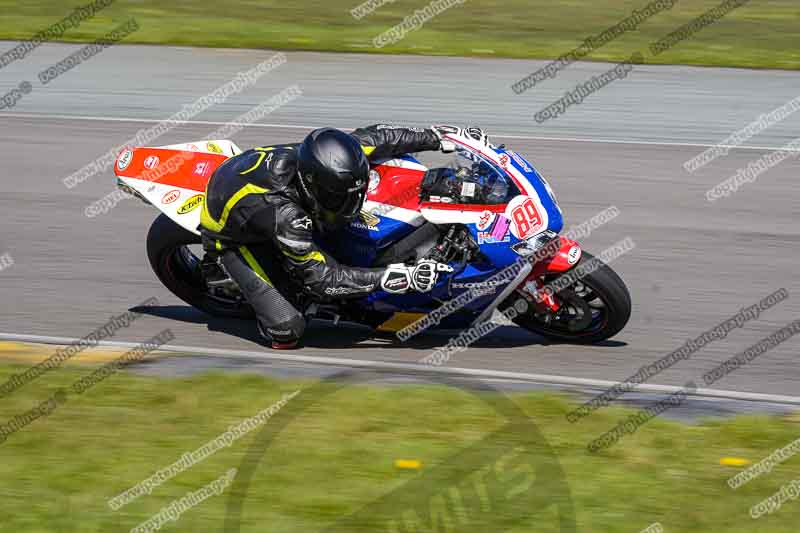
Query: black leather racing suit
point(253, 219)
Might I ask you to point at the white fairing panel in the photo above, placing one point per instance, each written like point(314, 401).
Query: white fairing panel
point(181, 205)
point(451, 216)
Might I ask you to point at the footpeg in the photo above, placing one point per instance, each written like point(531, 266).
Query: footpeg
point(216, 277)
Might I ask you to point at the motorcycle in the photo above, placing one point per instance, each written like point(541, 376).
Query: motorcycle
point(487, 214)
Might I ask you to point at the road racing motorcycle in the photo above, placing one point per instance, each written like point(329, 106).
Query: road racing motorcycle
point(489, 214)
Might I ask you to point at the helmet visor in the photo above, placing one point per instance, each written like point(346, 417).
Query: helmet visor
point(343, 204)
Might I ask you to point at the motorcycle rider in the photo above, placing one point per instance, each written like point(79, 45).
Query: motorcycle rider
point(267, 201)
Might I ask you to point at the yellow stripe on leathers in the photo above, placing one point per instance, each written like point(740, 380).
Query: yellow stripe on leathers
point(311, 256)
point(251, 260)
point(262, 154)
point(208, 222)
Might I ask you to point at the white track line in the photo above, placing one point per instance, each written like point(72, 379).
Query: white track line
point(154, 121)
point(309, 128)
point(416, 368)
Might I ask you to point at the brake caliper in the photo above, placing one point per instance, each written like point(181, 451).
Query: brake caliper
point(533, 288)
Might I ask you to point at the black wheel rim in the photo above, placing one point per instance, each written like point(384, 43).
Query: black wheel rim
point(583, 312)
point(183, 266)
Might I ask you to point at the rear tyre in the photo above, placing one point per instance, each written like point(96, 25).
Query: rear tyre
point(178, 268)
point(593, 308)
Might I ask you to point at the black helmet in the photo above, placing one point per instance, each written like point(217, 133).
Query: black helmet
point(334, 173)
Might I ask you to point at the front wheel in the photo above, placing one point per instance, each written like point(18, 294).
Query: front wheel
point(594, 307)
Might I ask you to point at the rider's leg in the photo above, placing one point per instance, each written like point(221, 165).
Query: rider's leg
point(278, 319)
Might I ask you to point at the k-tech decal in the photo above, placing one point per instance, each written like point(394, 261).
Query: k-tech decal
point(191, 204)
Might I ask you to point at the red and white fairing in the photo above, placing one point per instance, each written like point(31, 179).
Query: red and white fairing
point(394, 193)
point(173, 178)
point(394, 189)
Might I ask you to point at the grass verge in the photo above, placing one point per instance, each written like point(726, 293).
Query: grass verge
point(335, 455)
point(762, 33)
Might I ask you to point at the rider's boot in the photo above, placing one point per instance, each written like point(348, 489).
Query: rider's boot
point(287, 344)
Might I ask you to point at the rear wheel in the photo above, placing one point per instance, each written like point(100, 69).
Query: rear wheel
point(593, 308)
point(175, 255)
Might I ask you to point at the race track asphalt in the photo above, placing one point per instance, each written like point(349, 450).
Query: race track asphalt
point(695, 263)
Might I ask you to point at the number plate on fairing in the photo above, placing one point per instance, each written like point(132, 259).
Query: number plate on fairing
point(528, 216)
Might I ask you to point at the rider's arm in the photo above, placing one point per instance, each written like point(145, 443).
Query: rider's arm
point(324, 278)
point(381, 141)
point(318, 271)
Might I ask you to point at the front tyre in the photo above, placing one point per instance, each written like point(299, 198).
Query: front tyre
point(178, 268)
point(594, 307)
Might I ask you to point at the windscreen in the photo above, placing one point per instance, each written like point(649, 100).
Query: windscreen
point(468, 179)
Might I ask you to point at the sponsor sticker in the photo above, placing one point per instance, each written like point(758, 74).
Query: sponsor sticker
point(191, 204)
point(214, 147)
point(478, 288)
point(484, 237)
point(201, 168)
point(151, 162)
point(441, 199)
point(361, 225)
point(521, 162)
point(574, 255)
point(503, 160)
point(171, 196)
point(124, 159)
point(483, 291)
point(478, 284)
point(499, 228)
point(485, 220)
point(374, 181)
point(369, 218)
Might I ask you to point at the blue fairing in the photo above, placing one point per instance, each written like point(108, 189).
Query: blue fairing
point(542, 188)
point(361, 243)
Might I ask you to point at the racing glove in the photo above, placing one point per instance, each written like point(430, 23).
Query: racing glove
point(470, 131)
point(422, 277)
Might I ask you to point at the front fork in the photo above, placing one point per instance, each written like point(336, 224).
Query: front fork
point(565, 258)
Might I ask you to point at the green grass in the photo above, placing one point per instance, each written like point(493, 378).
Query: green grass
point(335, 457)
point(763, 33)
